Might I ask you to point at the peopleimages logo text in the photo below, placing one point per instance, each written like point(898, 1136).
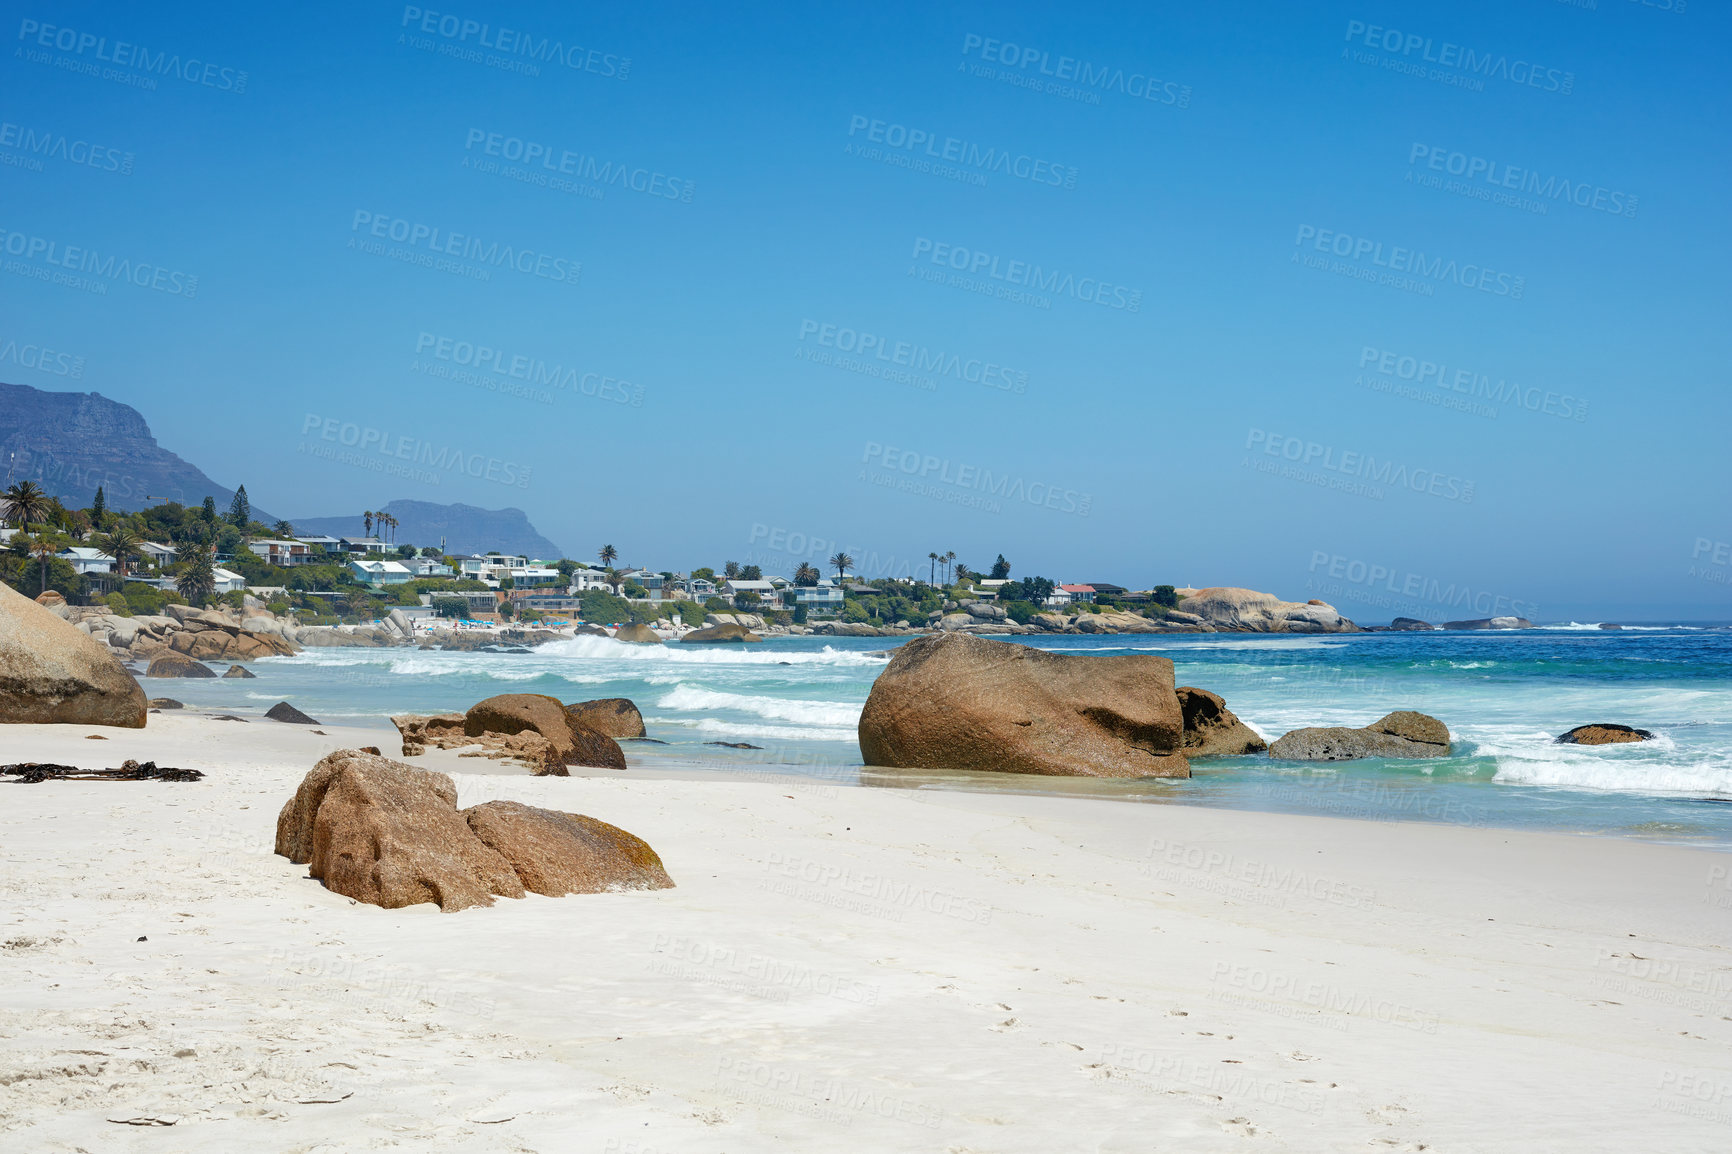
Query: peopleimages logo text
point(59, 146)
point(985, 158)
point(400, 454)
point(89, 261)
point(1501, 176)
point(973, 262)
point(126, 55)
point(1137, 85)
point(460, 30)
point(1410, 261)
point(442, 242)
point(942, 470)
point(1486, 65)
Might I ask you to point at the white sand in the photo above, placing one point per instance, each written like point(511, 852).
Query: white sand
point(846, 969)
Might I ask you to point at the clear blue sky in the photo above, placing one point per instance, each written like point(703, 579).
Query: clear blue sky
point(1235, 210)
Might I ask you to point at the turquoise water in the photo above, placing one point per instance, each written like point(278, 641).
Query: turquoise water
point(1504, 695)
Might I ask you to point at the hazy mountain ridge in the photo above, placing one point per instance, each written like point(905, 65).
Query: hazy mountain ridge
point(71, 443)
point(463, 528)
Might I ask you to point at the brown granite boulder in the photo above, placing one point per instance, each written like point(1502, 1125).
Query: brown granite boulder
point(50, 598)
point(390, 835)
point(952, 701)
point(289, 715)
point(239, 671)
point(1604, 733)
point(177, 665)
point(566, 853)
point(1400, 734)
point(725, 633)
point(53, 672)
point(1231, 609)
point(614, 717)
point(1211, 729)
point(638, 634)
point(573, 742)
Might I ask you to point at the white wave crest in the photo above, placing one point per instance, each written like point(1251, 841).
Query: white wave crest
point(832, 714)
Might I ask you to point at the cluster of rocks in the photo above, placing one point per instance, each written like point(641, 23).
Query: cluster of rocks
point(1415, 625)
point(952, 701)
point(216, 634)
point(530, 728)
point(391, 835)
point(1220, 610)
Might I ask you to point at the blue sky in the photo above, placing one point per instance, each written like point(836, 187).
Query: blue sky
point(1418, 308)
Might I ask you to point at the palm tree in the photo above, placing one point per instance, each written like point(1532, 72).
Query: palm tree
point(608, 556)
point(806, 574)
point(932, 568)
point(367, 523)
point(122, 544)
point(615, 577)
point(283, 529)
point(842, 563)
point(947, 559)
point(23, 503)
point(197, 580)
point(386, 519)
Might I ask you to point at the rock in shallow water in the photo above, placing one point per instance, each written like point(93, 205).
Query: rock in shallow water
point(1400, 734)
point(1603, 733)
point(1211, 729)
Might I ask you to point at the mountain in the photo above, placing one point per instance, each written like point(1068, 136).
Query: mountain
point(70, 443)
point(463, 528)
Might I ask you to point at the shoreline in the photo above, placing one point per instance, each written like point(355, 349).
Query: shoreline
point(836, 967)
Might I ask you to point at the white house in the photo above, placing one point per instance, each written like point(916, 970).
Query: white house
point(1077, 592)
point(282, 553)
point(532, 576)
point(379, 573)
point(227, 580)
point(700, 588)
point(367, 545)
point(583, 580)
point(427, 567)
point(328, 544)
point(87, 560)
point(1059, 597)
point(156, 555)
point(764, 591)
point(824, 597)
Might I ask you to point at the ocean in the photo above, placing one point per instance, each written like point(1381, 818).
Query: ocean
point(1504, 695)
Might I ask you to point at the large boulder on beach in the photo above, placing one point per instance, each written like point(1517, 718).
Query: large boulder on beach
point(725, 633)
point(953, 701)
point(637, 634)
point(1211, 729)
point(1229, 610)
point(614, 717)
point(239, 671)
point(554, 853)
point(51, 672)
point(1400, 734)
point(1603, 733)
point(177, 665)
point(573, 742)
point(390, 835)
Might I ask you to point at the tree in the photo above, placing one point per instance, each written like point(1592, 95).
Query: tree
point(731, 570)
point(961, 572)
point(841, 562)
point(1165, 595)
point(608, 556)
point(932, 568)
point(24, 502)
point(240, 510)
point(704, 574)
point(947, 559)
point(450, 607)
point(122, 544)
point(208, 510)
point(751, 573)
point(806, 575)
point(197, 579)
point(367, 523)
point(98, 507)
point(43, 549)
point(283, 529)
point(614, 578)
point(1000, 568)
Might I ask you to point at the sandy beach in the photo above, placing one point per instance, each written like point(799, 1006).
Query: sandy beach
point(846, 968)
